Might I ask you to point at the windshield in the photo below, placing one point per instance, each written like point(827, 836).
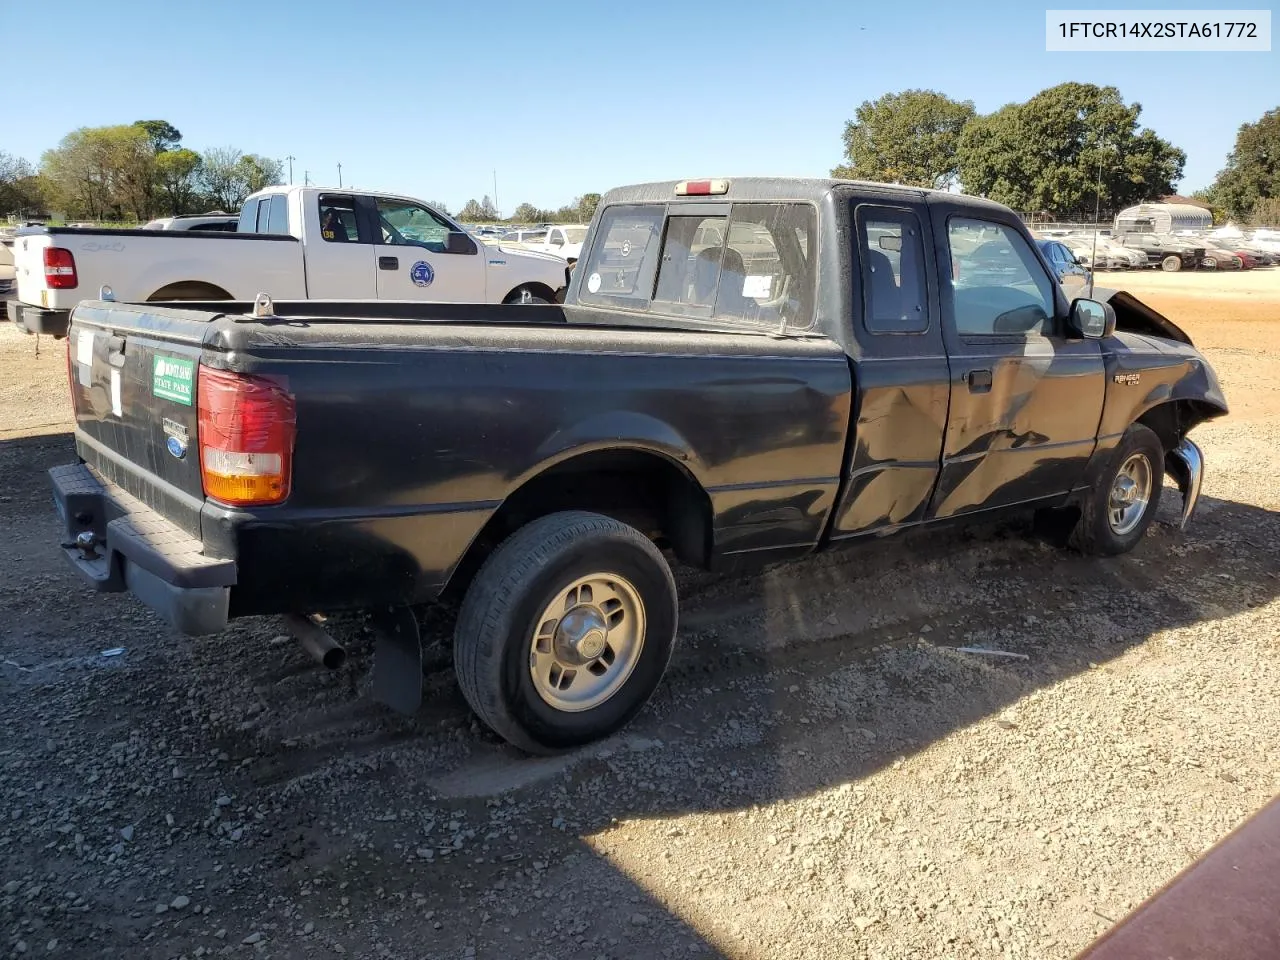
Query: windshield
point(575, 234)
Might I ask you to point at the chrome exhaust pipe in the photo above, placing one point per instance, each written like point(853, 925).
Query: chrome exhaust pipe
point(316, 640)
point(1185, 463)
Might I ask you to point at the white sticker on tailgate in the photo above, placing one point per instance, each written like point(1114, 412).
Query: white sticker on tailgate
point(84, 356)
point(117, 407)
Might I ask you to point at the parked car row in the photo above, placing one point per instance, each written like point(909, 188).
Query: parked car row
point(1166, 251)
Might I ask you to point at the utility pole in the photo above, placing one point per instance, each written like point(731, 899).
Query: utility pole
point(306, 178)
point(339, 174)
point(1097, 212)
point(496, 207)
point(291, 158)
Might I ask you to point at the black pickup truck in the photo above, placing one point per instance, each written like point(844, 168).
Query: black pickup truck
point(743, 371)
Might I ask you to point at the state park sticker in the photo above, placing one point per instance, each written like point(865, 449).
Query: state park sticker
point(172, 378)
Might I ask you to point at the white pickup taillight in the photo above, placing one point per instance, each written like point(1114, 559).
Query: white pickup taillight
point(247, 429)
point(59, 269)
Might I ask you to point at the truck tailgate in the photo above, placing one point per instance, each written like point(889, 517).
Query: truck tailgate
point(133, 386)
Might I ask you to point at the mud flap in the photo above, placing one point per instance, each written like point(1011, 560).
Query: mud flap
point(397, 660)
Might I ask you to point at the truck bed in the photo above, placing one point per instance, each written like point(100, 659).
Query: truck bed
point(415, 422)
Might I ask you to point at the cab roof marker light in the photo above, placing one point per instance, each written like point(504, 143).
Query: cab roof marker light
point(701, 188)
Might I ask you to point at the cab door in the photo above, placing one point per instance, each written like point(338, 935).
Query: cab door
point(1026, 401)
point(419, 255)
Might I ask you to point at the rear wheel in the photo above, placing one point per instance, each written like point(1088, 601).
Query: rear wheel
point(566, 631)
point(1117, 512)
point(1171, 263)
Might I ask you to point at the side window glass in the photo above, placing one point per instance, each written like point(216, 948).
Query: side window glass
point(409, 225)
point(891, 247)
point(338, 222)
point(248, 217)
point(998, 286)
point(279, 222)
point(624, 257)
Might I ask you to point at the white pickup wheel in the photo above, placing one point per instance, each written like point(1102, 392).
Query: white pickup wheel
point(566, 631)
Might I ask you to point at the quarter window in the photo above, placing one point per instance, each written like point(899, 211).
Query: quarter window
point(279, 222)
point(893, 288)
point(998, 287)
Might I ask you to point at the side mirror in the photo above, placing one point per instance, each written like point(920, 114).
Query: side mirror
point(1082, 262)
point(1091, 319)
point(459, 242)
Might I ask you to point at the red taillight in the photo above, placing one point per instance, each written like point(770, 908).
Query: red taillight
point(59, 269)
point(247, 429)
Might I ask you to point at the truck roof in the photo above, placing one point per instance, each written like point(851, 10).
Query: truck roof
point(778, 188)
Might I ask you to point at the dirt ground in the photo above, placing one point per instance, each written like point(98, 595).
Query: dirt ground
point(822, 774)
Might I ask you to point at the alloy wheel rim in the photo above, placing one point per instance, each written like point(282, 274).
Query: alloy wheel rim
point(586, 642)
point(1130, 494)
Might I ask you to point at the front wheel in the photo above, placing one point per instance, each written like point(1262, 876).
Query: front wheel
point(524, 295)
point(1171, 264)
point(1117, 512)
point(566, 631)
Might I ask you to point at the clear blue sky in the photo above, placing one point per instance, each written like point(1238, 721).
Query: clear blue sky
point(428, 97)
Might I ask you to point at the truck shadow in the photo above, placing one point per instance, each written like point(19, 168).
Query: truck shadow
point(820, 673)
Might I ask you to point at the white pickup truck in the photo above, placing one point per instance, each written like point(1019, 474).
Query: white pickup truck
point(560, 240)
point(295, 243)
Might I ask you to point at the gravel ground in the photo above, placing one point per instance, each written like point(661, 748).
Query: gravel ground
point(822, 774)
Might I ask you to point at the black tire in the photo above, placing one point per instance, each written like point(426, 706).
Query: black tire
point(492, 641)
point(524, 295)
point(1094, 532)
point(1171, 263)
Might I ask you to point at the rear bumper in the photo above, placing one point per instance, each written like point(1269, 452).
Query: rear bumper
point(117, 543)
point(52, 323)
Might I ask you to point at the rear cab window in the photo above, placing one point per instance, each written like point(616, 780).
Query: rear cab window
point(745, 263)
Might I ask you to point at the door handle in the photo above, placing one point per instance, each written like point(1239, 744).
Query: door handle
point(388, 263)
point(979, 381)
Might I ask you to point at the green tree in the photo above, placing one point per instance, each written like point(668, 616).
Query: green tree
point(256, 172)
point(103, 172)
point(228, 176)
point(178, 177)
point(908, 137)
point(162, 134)
point(478, 212)
point(1045, 154)
point(587, 204)
point(20, 187)
point(1252, 173)
point(526, 213)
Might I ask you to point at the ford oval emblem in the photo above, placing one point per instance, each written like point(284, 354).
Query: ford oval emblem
point(177, 447)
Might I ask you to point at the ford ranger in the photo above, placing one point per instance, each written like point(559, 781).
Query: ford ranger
point(743, 371)
point(298, 242)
